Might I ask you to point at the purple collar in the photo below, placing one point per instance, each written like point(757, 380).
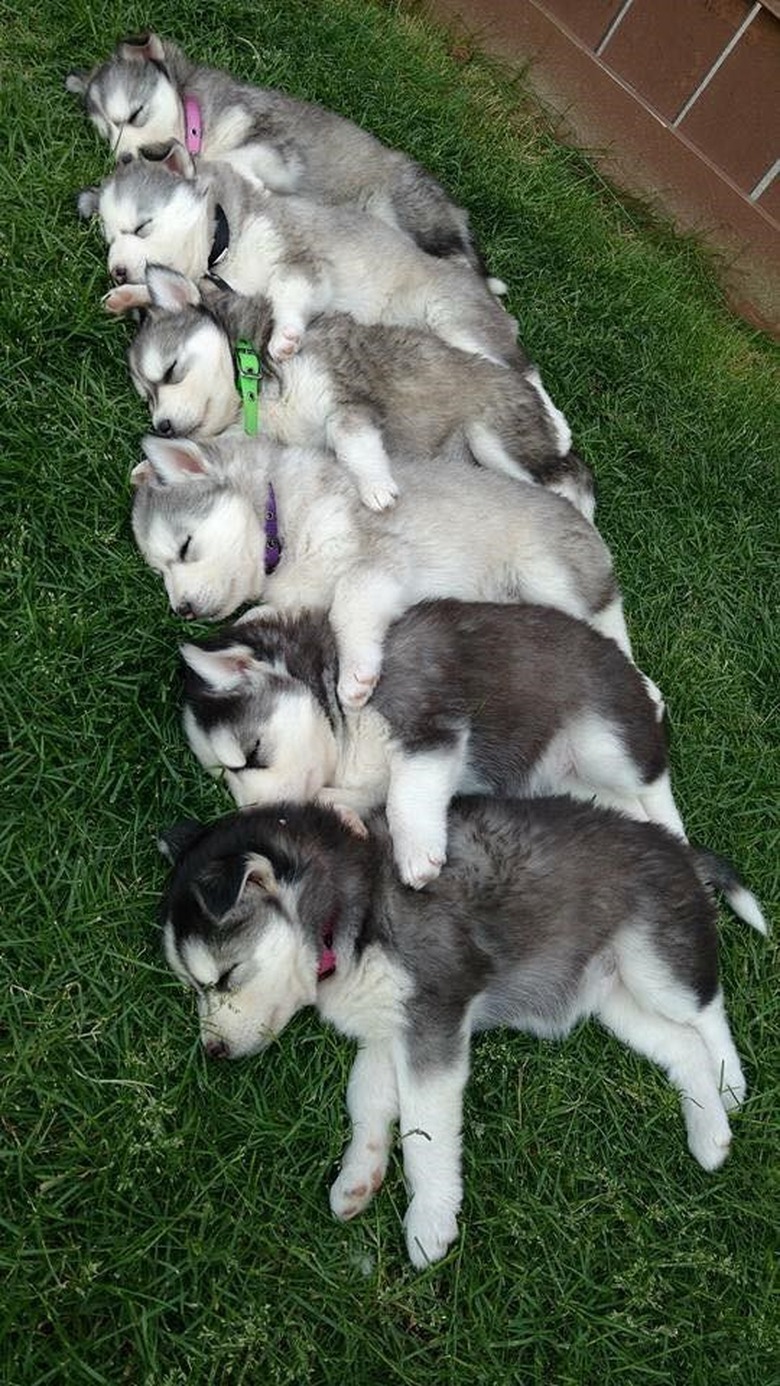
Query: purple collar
point(193, 125)
point(273, 544)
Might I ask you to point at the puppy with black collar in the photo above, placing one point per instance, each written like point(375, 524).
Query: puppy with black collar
point(149, 92)
point(306, 258)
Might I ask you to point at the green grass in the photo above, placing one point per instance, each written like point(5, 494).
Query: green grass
point(165, 1221)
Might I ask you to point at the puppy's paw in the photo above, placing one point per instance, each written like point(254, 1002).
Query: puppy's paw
point(379, 496)
point(709, 1136)
point(125, 298)
point(356, 686)
point(285, 342)
point(350, 819)
point(354, 1188)
point(418, 865)
point(655, 695)
point(429, 1229)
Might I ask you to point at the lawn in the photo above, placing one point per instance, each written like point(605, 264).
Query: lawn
point(165, 1220)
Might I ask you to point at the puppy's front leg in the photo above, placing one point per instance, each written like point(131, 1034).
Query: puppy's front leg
point(372, 1102)
point(357, 443)
point(431, 1117)
point(421, 786)
point(296, 297)
point(366, 600)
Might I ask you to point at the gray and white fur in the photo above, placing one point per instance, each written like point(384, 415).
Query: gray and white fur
point(473, 696)
point(304, 257)
point(199, 518)
point(136, 98)
point(547, 913)
point(365, 392)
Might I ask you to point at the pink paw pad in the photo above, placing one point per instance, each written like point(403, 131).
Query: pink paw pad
point(356, 688)
point(285, 342)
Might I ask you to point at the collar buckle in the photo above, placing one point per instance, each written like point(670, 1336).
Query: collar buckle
point(249, 375)
point(273, 542)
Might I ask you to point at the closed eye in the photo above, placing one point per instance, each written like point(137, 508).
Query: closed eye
point(133, 116)
point(142, 228)
point(184, 550)
point(223, 983)
point(167, 379)
point(254, 760)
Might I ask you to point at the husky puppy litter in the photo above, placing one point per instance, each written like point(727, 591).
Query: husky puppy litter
point(547, 912)
point(306, 258)
point(511, 700)
point(148, 92)
point(365, 392)
point(201, 517)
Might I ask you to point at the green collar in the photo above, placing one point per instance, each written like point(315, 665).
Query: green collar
point(249, 375)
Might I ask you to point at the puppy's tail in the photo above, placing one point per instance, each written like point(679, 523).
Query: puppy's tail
point(715, 871)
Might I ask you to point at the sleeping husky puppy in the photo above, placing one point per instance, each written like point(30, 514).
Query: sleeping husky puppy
point(306, 258)
point(547, 912)
point(149, 93)
point(510, 700)
point(211, 518)
point(363, 391)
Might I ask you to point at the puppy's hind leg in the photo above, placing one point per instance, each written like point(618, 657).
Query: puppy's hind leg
point(560, 423)
point(680, 1051)
point(358, 444)
point(489, 451)
point(475, 323)
point(658, 801)
point(372, 1102)
point(431, 1117)
point(611, 621)
point(713, 1026)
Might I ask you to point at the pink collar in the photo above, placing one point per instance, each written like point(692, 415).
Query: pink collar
point(326, 965)
point(193, 125)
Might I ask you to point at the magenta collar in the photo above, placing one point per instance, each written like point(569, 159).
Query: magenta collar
point(326, 964)
point(193, 125)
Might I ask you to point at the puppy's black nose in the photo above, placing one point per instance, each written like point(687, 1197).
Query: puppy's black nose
point(164, 428)
point(119, 274)
point(217, 1049)
point(184, 609)
point(125, 158)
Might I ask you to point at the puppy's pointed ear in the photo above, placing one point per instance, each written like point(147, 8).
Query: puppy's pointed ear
point(171, 156)
point(143, 475)
point(77, 81)
point(260, 872)
point(87, 202)
point(167, 289)
point(174, 841)
point(222, 670)
point(221, 887)
point(172, 461)
point(142, 48)
point(125, 298)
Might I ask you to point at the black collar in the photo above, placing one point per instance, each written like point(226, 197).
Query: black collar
point(221, 237)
